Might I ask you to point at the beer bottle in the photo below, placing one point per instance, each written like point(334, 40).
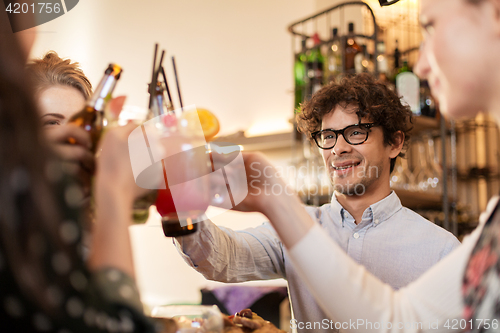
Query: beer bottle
point(91, 118)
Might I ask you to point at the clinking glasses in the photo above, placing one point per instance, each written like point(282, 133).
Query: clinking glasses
point(353, 134)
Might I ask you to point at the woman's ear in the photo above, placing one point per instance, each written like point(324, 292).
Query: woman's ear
point(397, 145)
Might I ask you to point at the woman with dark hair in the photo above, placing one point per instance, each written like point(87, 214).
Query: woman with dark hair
point(461, 292)
point(44, 283)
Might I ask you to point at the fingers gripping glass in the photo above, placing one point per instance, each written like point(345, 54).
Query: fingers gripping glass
point(354, 135)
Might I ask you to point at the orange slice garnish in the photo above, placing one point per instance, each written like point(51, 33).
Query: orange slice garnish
point(209, 123)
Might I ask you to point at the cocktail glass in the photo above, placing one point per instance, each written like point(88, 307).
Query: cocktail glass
point(181, 157)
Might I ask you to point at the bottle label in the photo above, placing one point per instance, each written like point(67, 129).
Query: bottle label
point(358, 62)
point(408, 87)
point(383, 65)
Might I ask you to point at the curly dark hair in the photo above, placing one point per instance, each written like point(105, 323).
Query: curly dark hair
point(374, 99)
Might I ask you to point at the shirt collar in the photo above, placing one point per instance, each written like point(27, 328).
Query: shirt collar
point(375, 213)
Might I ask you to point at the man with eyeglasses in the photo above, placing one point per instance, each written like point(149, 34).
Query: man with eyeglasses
point(361, 127)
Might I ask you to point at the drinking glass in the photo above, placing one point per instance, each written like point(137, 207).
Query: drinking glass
point(398, 177)
point(173, 148)
point(410, 184)
point(185, 198)
point(436, 183)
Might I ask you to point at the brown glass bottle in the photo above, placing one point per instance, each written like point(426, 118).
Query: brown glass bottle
point(351, 49)
point(91, 118)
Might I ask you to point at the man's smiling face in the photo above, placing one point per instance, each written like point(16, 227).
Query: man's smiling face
point(356, 169)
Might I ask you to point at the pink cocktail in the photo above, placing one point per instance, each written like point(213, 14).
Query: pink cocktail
point(186, 170)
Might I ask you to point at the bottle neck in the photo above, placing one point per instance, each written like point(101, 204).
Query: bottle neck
point(102, 94)
point(158, 101)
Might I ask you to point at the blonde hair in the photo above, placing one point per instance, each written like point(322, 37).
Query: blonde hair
point(52, 70)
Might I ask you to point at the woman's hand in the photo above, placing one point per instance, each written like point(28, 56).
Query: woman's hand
point(268, 194)
point(113, 164)
point(78, 155)
point(265, 186)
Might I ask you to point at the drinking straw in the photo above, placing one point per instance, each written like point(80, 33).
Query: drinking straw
point(177, 83)
point(151, 87)
point(166, 85)
point(155, 80)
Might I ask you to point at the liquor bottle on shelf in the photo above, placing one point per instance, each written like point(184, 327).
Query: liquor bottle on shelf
point(397, 57)
point(300, 74)
point(333, 64)
point(408, 87)
point(383, 64)
point(91, 118)
point(427, 104)
point(358, 61)
point(351, 50)
point(404, 68)
point(363, 62)
point(315, 61)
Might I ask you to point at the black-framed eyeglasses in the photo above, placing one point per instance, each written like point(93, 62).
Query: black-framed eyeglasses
point(387, 2)
point(353, 134)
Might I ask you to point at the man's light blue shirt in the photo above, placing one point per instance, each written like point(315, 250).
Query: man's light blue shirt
point(394, 243)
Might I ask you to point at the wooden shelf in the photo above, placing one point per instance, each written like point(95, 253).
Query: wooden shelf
point(420, 200)
point(263, 142)
point(422, 123)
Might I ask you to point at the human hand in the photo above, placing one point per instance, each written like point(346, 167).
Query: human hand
point(77, 156)
point(114, 165)
point(268, 194)
point(265, 186)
